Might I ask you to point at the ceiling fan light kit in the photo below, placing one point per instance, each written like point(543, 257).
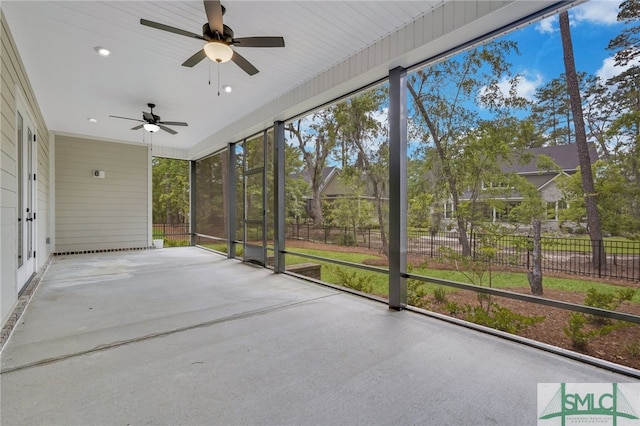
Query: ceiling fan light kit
point(152, 122)
point(218, 51)
point(150, 127)
point(219, 39)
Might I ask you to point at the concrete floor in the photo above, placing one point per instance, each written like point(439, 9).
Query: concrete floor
point(182, 336)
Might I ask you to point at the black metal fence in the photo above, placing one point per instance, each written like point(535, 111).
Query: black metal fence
point(571, 256)
point(173, 234)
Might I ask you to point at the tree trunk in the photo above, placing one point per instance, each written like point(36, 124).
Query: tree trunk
point(593, 217)
point(535, 275)
point(446, 170)
point(316, 208)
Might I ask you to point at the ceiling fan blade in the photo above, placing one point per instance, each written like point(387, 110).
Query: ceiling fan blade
point(259, 42)
point(244, 64)
point(147, 116)
point(126, 118)
point(137, 127)
point(193, 60)
point(173, 123)
point(214, 15)
point(174, 30)
point(166, 129)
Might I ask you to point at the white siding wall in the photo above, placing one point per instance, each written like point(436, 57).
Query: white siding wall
point(100, 214)
point(13, 78)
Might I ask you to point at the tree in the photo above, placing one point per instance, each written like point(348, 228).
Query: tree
point(316, 139)
point(552, 113)
point(593, 217)
point(353, 210)
point(447, 97)
point(170, 190)
point(619, 213)
point(627, 43)
point(364, 139)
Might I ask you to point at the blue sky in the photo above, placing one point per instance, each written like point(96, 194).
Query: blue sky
point(593, 25)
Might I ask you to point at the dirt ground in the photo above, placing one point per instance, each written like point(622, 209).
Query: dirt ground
point(621, 346)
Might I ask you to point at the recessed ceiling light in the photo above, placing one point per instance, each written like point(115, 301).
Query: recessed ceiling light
point(227, 88)
point(102, 51)
point(92, 120)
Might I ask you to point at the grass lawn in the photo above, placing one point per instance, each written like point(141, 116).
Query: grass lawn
point(379, 281)
point(502, 280)
point(520, 280)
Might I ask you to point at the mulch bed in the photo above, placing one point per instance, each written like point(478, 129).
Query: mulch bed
point(621, 346)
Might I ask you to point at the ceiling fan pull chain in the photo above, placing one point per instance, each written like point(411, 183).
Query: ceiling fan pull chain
point(218, 78)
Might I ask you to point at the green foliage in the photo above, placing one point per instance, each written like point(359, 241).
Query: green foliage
point(500, 318)
point(634, 350)
point(608, 301)
point(582, 328)
point(170, 190)
point(419, 213)
point(452, 308)
point(352, 280)
point(617, 199)
point(296, 190)
point(416, 293)
point(175, 243)
point(576, 332)
point(344, 239)
point(440, 294)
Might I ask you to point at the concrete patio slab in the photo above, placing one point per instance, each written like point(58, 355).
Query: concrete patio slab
point(185, 336)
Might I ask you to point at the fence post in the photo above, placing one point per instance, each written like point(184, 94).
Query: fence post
point(369, 237)
point(600, 244)
point(432, 244)
point(473, 245)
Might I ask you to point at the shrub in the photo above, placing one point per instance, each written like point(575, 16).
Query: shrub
point(634, 350)
point(353, 280)
point(582, 328)
point(500, 318)
point(416, 292)
point(345, 239)
point(575, 331)
point(608, 301)
point(453, 308)
point(440, 295)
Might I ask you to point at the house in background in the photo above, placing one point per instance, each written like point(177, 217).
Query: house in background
point(332, 187)
point(565, 158)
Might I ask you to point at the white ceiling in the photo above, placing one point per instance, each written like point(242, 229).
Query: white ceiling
point(56, 40)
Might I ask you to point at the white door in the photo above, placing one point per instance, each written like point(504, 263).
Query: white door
point(27, 148)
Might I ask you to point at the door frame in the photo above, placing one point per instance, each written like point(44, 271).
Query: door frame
point(27, 190)
point(255, 253)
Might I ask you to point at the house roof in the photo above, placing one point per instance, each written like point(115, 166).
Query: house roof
point(327, 175)
point(565, 156)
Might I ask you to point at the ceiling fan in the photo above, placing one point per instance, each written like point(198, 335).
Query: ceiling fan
point(219, 39)
point(152, 122)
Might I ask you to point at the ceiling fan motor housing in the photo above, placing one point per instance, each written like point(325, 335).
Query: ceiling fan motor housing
point(210, 35)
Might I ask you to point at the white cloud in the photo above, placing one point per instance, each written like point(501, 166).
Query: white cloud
point(610, 69)
point(546, 26)
point(599, 12)
point(525, 87)
point(604, 12)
